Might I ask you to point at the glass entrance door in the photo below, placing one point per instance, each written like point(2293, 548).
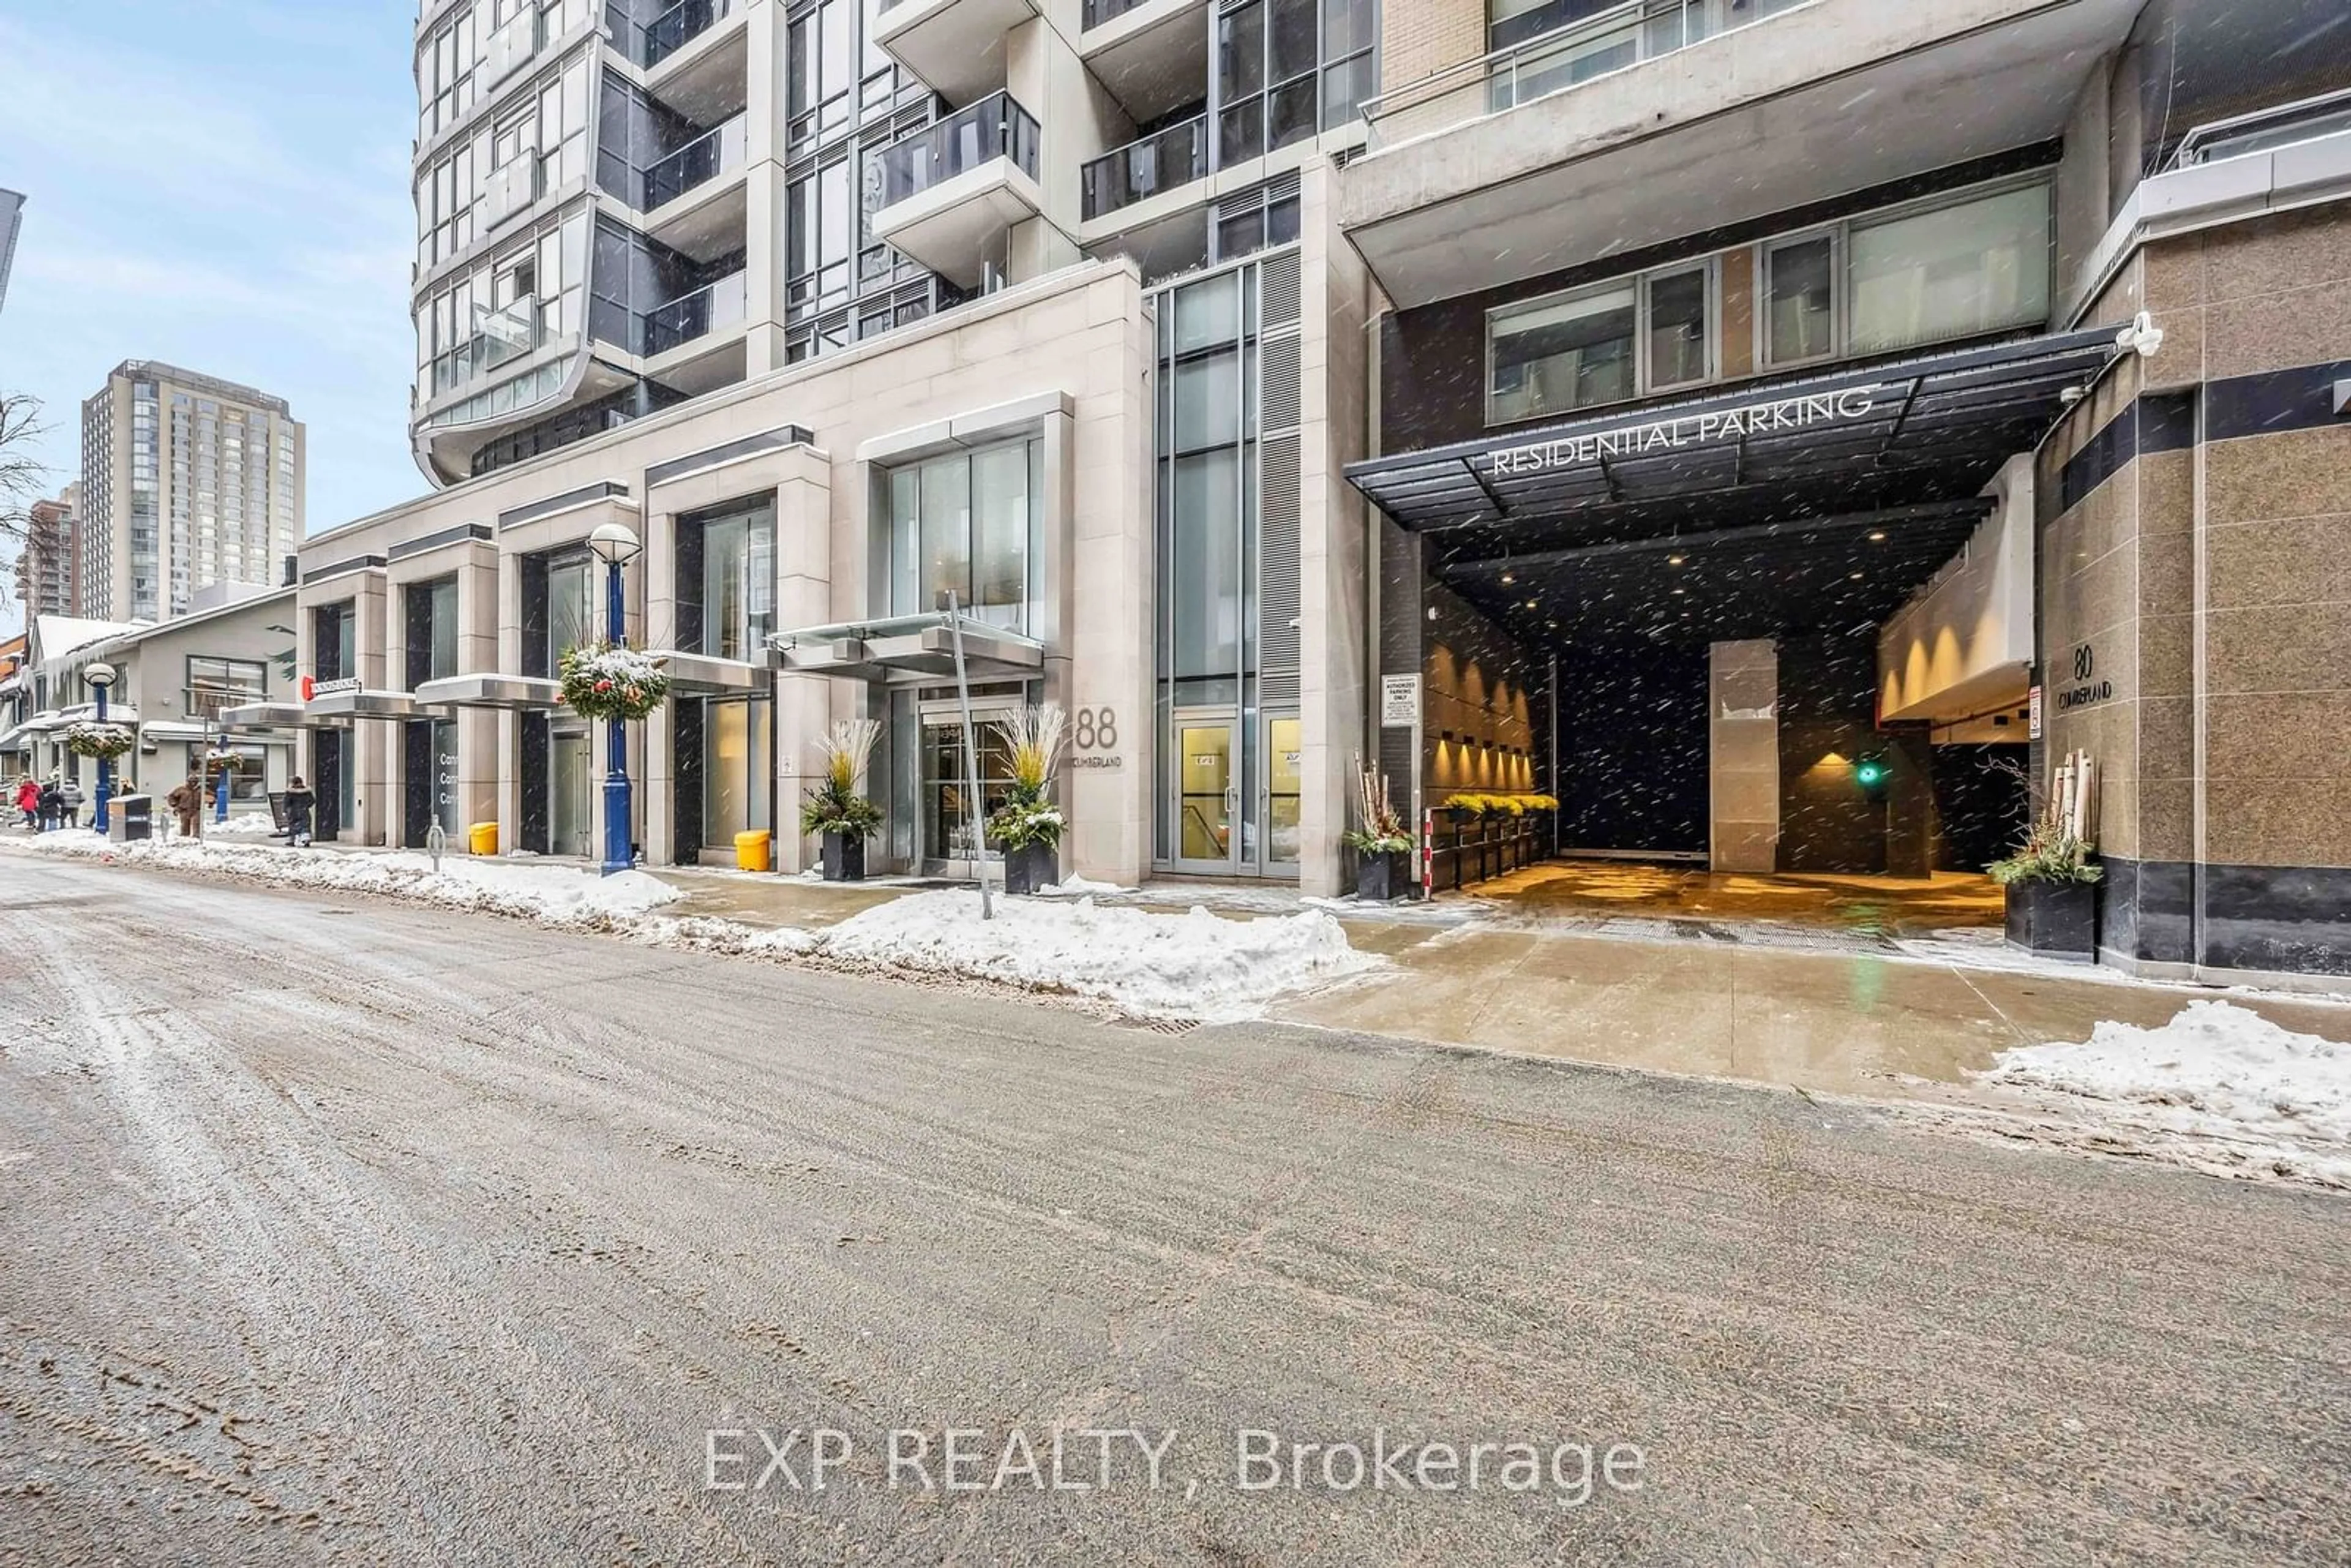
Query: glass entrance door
point(1207, 799)
point(571, 795)
point(1284, 792)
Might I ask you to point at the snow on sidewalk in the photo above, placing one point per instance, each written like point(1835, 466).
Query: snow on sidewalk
point(1194, 965)
point(552, 895)
point(1191, 966)
point(2219, 1085)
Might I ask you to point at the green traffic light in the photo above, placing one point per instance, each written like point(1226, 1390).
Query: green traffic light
point(1869, 772)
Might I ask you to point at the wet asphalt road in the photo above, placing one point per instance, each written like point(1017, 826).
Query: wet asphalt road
point(378, 1235)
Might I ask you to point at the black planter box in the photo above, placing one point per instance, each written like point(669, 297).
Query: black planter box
point(845, 857)
point(1381, 878)
point(1030, 867)
point(2059, 919)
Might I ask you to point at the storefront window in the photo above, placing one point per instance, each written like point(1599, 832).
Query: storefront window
point(572, 619)
point(968, 523)
point(432, 626)
point(727, 573)
point(735, 770)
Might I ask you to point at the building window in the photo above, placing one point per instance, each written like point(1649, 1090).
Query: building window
point(968, 523)
point(432, 626)
point(1601, 345)
point(1800, 299)
point(1954, 271)
point(727, 580)
point(334, 650)
point(217, 684)
point(1288, 68)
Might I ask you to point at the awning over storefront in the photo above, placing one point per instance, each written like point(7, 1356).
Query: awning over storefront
point(519, 694)
point(169, 732)
point(699, 675)
point(1855, 441)
point(914, 644)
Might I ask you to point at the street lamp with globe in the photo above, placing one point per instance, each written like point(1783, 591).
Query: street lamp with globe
point(100, 676)
point(615, 546)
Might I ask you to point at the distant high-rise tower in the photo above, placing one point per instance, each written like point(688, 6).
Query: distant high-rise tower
point(12, 218)
point(48, 572)
point(186, 481)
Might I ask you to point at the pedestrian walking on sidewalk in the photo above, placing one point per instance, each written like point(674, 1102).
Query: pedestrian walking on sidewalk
point(300, 801)
point(28, 800)
point(186, 801)
point(52, 804)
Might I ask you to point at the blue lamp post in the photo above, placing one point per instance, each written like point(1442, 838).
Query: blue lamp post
point(615, 546)
point(100, 676)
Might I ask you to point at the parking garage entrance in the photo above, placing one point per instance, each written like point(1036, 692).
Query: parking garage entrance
point(1686, 621)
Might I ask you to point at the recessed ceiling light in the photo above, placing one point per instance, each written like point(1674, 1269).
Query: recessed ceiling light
point(1679, 590)
point(1508, 577)
point(1856, 577)
point(1877, 535)
point(1676, 560)
point(1531, 604)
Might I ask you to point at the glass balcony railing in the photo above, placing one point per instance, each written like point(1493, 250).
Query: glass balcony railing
point(1149, 167)
point(707, 309)
point(2265, 129)
point(699, 161)
point(499, 336)
point(995, 127)
point(1584, 50)
point(650, 43)
point(1097, 12)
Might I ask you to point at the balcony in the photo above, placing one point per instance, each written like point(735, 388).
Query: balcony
point(500, 338)
point(706, 158)
point(650, 43)
point(951, 195)
point(1642, 124)
point(709, 309)
point(956, 46)
point(1140, 169)
point(1152, 56)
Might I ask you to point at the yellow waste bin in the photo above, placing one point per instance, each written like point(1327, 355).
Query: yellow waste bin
point(751, 850)
point(482, 838)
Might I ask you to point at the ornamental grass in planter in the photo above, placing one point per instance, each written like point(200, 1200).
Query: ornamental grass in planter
point(836, 811)
point(2051, 884)
point(1383, 846)
point(1027, 825)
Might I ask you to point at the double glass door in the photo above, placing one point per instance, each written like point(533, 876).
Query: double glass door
point(1217, 832)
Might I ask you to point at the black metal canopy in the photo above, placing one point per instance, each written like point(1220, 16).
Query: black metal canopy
point(1795, 503)
point(1855, 440)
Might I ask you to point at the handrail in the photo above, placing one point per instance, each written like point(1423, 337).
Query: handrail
point(696, 313)
point(1512, 75)
point(995, 127)
point(2301, 120)
point(696, 164)
point(1123, 176)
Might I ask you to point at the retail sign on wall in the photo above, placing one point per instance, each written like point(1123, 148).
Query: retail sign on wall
point(311, 688)
point(1399, 701)
point(1692, 429)
point(2033, 720)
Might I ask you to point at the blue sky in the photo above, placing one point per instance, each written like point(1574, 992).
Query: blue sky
point(222, 184)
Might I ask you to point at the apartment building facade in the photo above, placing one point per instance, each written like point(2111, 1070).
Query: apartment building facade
point(1121, 449)
point(1802, 424)
point(187, 481)
point(48, 567)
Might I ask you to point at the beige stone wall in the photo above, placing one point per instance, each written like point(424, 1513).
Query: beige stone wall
point(1419, 37)
point(1080, 335)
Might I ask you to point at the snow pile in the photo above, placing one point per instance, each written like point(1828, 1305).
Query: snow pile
point(241, 825)
point(1076, 886)
point(1193, 966)
point(2219, 1083)
point(553, 894)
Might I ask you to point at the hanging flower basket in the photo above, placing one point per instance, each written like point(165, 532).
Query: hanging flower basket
point(601, 681)
point(104, 741)
point(220, 761)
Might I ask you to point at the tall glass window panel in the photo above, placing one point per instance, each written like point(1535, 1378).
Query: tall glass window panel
point(945, 533)
point(1000, 504)
point(1954, 272)
point(1564, 354)
point(735, 770)
point(572, 620)
point(1208, 399)
point(739, 583)
point(1680, 307)
point(1800, 304)
point(1207, 564)
point(1208, 313)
